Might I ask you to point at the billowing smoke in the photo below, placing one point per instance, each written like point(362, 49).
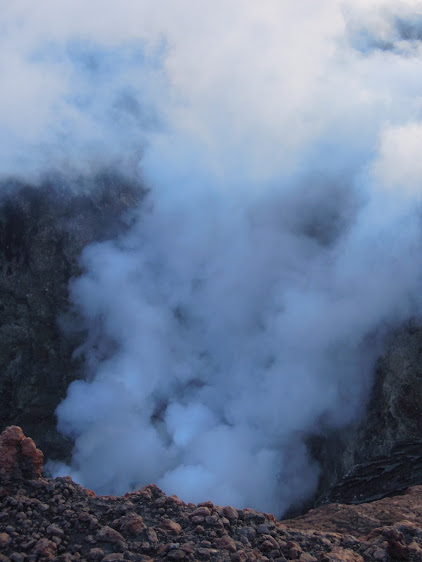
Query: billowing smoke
point(279, 241)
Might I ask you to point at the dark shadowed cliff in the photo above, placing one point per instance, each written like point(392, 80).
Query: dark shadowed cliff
point(42, 232)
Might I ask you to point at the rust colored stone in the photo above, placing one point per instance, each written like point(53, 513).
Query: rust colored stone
point(45, 519)
point(107, 534)
point(230, 512)
point(5, 539)
point(202, 511)
point(44, 548)
point(19, 457)
point(226, 543)
point(171, 526)
point(133, 524)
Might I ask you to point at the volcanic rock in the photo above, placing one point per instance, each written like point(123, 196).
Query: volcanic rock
point(381, 453)
point(19, 457)
point(147, 525)
point(43, 230)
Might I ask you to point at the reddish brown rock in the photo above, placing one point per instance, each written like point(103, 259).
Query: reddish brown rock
point(226, 543)
point(342, 555)
point(202, 511)
point(306, 557)
point(44, 519)
point(171, 526)
point(266, 546)
point(132, 523)
point(5, 539)
point(188, 547)
point(33, 457)
point(151, 535)
point(45, 548)
point(230, 512)
point(10, 441)
point(19, 457)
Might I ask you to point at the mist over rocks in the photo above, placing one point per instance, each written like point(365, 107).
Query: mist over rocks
point(43, 229)
point(392, 420)
point(242, 312)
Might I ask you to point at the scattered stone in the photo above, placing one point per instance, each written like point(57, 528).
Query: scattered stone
point(176, 554)
point(107, 534)
point(248, 532)
point(171, 526)
point(44, 548)
point(132, 523)
point(96, 554)
point(152, 535)
point(33, 459)
point(19, 557)
point(43, 507)
point(188, 547)
point(19, 457)
point(55, 531)
point(202, 511)
point(5, 539)
point(306, 557)
point(230, 512)
point(226, 543)
point(54, 520)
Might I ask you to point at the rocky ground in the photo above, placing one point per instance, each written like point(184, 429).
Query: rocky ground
point(45, 519)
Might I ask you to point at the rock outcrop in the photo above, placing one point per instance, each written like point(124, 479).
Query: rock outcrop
point(382, 454)
point(43, 230)
point(19, 456)
point(44, 519)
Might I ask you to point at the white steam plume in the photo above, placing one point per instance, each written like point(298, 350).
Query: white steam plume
point(280, 238)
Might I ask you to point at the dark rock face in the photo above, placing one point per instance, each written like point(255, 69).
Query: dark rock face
point(395, 411)
point(382, 454)
point(380, 476)
point(42, 232)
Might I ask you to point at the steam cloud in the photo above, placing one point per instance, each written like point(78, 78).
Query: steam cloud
point(279, 240)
